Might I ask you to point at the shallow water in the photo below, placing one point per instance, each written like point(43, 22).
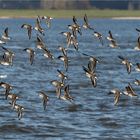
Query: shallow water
point(93, 114)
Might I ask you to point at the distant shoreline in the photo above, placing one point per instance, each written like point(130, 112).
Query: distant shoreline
point(115, 18)
point(91, 13)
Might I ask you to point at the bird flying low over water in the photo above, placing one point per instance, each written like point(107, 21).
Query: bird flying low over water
point(92, 63)
point(66, 95)
point(138, 67)
point(31, 54)
point(38, 27)
point(71, 39)
point(47, 53)
point(75, 28)
point(138, 44)
point(86, 24)
point(19, 110)
point(91, 75)
point(2, 42)
point(129, 91)
point(48, 20)
point(112, 40)
point(117, 94)
point(8, 56)
point(5, 35)
point(7, 88)
point(126, 63)
point(61, 75)
point(58, 86)
point(13, 98)
point(40, 43)
point(90, 72)
point(64, 57)
point(74, 42)
point(99, 36)
point(29, 29)
point(68, 37)
point(44, 98)
point(137, 82)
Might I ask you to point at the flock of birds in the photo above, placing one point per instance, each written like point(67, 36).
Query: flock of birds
point(71, 37)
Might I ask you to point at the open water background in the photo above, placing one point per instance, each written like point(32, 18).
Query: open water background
point(93, 114)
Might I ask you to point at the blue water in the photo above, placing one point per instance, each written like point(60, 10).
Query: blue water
point(93, 114)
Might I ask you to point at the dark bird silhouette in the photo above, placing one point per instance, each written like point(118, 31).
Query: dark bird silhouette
point(40, 43)
point(129, 91)
point(7, 88)
point(19, 110)
point(5, 35)
point(61, 75)
point(137, 82)
point(86, 24)
point(31, 54)
point(126, 63)
point(138, 44)
point(91, 75)
point(8, 56)
point(67, 95)
point(38, 27)
point(138, 67)
point(112, 40)
point(13, 98)
point(99, 36)
point(75, 28)
point(117, 94)
point(29, 28)
point(64, 57)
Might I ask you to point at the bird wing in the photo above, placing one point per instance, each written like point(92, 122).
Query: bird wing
point(37, 23)
point(116, 97)
point(29, 32)
point(92, 65)
point(86, 19)
point(138, 42)
point(128, 67)
point(32, 56)
point(66, 63)
point(58, 91)
point(74, 20)
point(93, 80)
point(114, 43)
point(44, 104)
point(122, 58)
point(6, 32)
point(86, 69)
point(110, 34)
point(130, 90)
point(137, 29)
point(66, 90)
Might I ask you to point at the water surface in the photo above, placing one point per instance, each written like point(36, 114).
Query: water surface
point(93, 114)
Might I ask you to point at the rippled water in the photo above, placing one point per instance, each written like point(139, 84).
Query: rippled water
point(93, 114)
